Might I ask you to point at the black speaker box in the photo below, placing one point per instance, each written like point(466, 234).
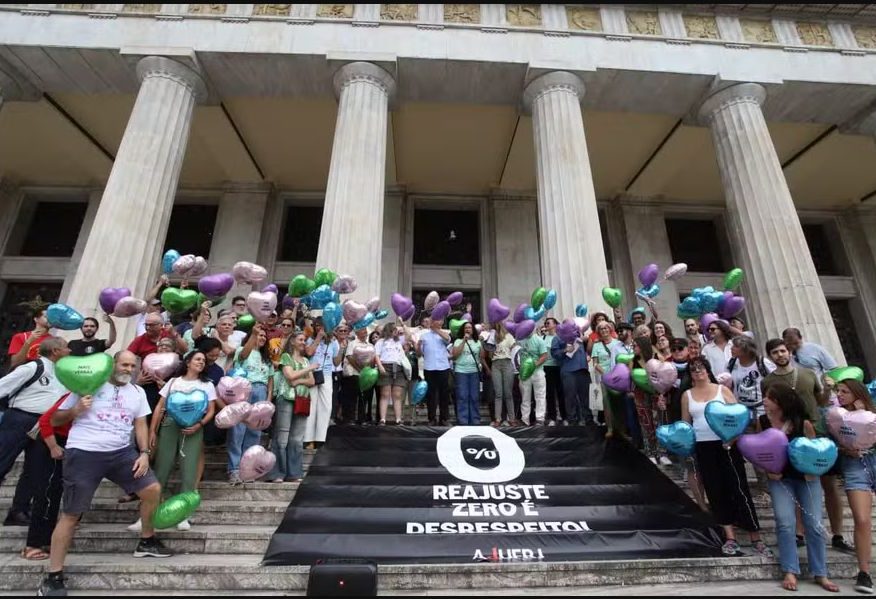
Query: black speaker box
point(342, 578)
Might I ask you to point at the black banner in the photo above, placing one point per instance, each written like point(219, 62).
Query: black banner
point(399, 494)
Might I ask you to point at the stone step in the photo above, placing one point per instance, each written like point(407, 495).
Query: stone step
point(209, 489)
point(214, 470)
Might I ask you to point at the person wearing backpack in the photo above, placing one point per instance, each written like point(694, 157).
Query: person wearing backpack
point(29, 391)
point(748, 370)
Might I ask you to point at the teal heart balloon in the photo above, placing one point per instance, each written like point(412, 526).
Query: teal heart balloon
point(170, 256)
point(612, 296)
point(177, 301)
point(331, 316)
point(844, 373)
point(677, 438)
point(62, 316)
point(581, 310)
point(812, 456)
point(538, 297)
point(300, 285)
point(550, 300)
point(187, 408)
point(176, 509)
point(728, 421)
point(324, 276)
point(733, 279)
point(84, 375)
point(381, 314)
point(421, 388)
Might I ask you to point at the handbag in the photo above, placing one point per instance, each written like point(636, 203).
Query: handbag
point(319, 375)
point(301, 407)
point(406, 366)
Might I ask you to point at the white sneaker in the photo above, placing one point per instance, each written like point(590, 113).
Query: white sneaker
point(664, 461)
point(653, 460)
point(504, 423)
point(552, 422)
point(184, 525)
point(136, 526)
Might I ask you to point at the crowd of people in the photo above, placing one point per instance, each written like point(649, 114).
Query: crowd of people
point(121, 431)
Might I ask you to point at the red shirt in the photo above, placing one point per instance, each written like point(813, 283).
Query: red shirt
point(142, 346)
point(18, 341)
point(45, 422)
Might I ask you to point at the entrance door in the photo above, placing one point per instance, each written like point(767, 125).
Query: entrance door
point(848, 334)
point(16, 311)
point(472, 297)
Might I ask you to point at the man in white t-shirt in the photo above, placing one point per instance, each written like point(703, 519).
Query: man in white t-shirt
point(99, 446)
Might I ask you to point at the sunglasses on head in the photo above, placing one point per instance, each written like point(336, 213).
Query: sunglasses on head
point(697, 368)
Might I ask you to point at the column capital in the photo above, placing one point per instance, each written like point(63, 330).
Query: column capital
point(740, 92)
point(551, 82)
point(160, 66)
point(364, 71)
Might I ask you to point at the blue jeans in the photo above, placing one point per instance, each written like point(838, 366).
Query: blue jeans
point(468, 392)
point(808, 495)
point(288, 441)
point(240, 438)
point(576, 387)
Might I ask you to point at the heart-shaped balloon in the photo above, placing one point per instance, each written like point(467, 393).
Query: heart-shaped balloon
point(364, 354)
point(409, 313)
point(184, 264)
point(271, 289)
point(400, 304)
point(367, 378)
point(705, 321)
point(854, 429)
point(129, 306)
point(177, 301)
point(255, 463)
point(216, 285)
point(662, 375)
point(612, 296)
point(431, 301)
point(568, 331)
point(345, 284)
point(260, 305)
point(373, 304)
point(233, 414)
point(527, 368)
point(62, 316)
point(642, 380)
point(110, 296)
point(648, 275)
point(733, 279)
point(550, 300)
point(726, 379)
point(812, 456)
point(871, 388)
point(845, 373)
point(709, 301)
point(441, 311)
point(524, 330)
point(203, 299)
point(767, 450)
point(248, 273)
point(677, 438)
point(675, 272)
point(728, 421)
point(618, 378)
point(732, 306)
point(260, 415)
point(511, 327)
point(466, 317)
point(690, 306)
point(456, 326)
point(186, 408)
point(163, 365)
point(176, 509)
point(421, 388)
point(496, 311)
point(581, 310)
point(300, 285)
point(168, 260)
point(84, 375)
point(245, 322)
point(538, 297)
point(332, 315)
point(365, 321)
point(354, 311)
point(321, 296)
point(583, 322)
point(649, 292)
point(454, 299)
point(381, 314)
point(520, 313)
point(233, 389)
point(199, 267)
point(625, 359)
point(531, 314)
point(324, 276)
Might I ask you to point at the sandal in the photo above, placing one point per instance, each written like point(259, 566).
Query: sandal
point(825, 583)
point(34, 554)
point(790, 582)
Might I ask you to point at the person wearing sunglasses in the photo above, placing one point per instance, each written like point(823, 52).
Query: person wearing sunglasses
point(276, 345)
point(718, 350)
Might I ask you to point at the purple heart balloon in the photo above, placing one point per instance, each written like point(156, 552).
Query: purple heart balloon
point(618, 378)
point(520, 313)
point(496, 312)
point(466, 317)
point(455, 298)
point(373, 304)
point(409, 313)
point(216, 285)
point(400, 304)
point(110, 296)
point(648, 275)
point(568, 331)
point(288, 301)
point(705, 321)
point(440, 311)
point(733, 306)
point(767, 450)
point(524, 329)
point(271, 289)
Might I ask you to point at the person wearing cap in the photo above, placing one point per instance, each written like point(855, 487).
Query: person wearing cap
point(153, 305)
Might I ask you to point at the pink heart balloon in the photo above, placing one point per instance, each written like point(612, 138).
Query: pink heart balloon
point(345, 284)
point(261, 304)
point(233, 389)
point(110, 296)
point(675, 272)
point(432, 300)
point(520, 313)
point(767, 450)
point(354, 311)
point(618, 378)
point(661, 374)
point(199, 267)
point(400, 304)
point(455, 298)
point(373, 304)
point(184, 264)
point(364, 354)
point(496, 311)
point(260, 416)
point(583, 322)
point(249, 273)
point(163, 365)
point(524, 329)
point(440, 311)
point(255, 463)
point(129, 306)
point(854, 429)
point(726, 379)
point(232, 414)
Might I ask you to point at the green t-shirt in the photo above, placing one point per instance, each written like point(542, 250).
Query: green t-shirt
point(806, 385)
point(282, 387)
point(548, 340)
point(257, 369)
point(534, 347)
point(466, 363)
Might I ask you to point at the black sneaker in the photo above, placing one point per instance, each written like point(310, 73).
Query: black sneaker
point(16, 519)
point(53, 586)
point(151, 547)
point(864, 584)
point(839, 543)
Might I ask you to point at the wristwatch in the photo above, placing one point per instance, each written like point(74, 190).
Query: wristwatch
point(146, 451)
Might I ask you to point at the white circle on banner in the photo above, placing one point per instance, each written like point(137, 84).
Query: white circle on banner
point(511, 458)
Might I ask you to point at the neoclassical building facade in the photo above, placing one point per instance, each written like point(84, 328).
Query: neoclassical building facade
point(489, 148)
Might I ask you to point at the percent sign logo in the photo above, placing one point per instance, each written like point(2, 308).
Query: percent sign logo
point(479, 454)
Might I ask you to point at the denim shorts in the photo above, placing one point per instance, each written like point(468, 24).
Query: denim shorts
point(83, 471)
point(859, 473)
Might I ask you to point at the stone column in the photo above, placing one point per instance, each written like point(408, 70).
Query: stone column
point(127, 237)
point(351, 237)
point(782, 287)
point(572, 260)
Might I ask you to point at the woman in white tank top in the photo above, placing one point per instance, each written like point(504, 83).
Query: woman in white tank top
point(721, 469)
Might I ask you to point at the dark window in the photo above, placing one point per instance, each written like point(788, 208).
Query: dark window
point(848, 334)
point(695, 242)
point(299, 239)
point(468, 297)
point(821, 249)
point(52, 229)
point(16, 311)
point(191, 229)
point(447, 237)
point(606, 242)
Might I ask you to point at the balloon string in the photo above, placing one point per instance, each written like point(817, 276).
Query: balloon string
point(181, 444)
point(748, 504)
point(819, 527)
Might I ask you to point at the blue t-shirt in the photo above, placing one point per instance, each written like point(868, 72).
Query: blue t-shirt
point(324, 356)
point(815, 358)
point(434, 351)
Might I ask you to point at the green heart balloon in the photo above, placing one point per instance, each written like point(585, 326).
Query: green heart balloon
point(176, 509)
point(733, 279)
point(612, 296)
point(456, 326)
point(641, 380)
point(527, 368)
point(537, 299)
point(213, 300)
point(844, 373)
point(300, 285)
point(624, 359)
point(367, 378)
point(324, 276)
point(84, 375)
point(245, 322)
point(177, 301)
